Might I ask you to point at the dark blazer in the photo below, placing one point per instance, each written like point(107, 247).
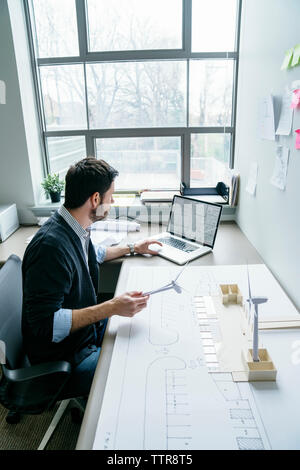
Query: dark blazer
point(55, 275)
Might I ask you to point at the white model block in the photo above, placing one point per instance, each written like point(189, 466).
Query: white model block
point(231, 294)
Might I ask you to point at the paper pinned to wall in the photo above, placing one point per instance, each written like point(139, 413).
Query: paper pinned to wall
point(297, 139)
point(296, 56)
point(288, 58)
point(252, 179)
point(267, 121)
point(286, 115)
point(2, 92)
point(278, 178)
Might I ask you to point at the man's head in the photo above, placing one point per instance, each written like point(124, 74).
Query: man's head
point(90, 183)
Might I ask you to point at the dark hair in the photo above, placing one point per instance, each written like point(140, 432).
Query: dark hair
point(85, 178)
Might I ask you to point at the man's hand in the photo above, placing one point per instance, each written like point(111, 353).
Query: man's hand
point(128, 304)
point(142, 247)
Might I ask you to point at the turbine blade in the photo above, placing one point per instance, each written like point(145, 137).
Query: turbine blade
point(185, 290)
point(177, 288)
point(160, 289)
point(181, 271)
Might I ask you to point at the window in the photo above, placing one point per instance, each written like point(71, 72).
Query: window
point(148, 86)
point(210, 155)
point(137, 94)
point(63, 97)
point(152, 161)
point(63, 152)
point(121, 25)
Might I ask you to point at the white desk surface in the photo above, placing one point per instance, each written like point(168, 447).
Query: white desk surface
point(16, 243)
point(231, 247)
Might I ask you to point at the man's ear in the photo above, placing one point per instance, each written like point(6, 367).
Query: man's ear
point(95, 199)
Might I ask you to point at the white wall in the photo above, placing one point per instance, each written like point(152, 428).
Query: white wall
point(271, 219)
point(20, 151)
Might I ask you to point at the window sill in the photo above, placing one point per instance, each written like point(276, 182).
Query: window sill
point(133, 209)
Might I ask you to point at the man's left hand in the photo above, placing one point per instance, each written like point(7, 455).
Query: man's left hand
point(142, 247)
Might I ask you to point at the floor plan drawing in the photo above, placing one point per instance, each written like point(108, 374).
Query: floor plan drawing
point(165, 389)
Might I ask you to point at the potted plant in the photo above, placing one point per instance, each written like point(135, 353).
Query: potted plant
point(53, 187)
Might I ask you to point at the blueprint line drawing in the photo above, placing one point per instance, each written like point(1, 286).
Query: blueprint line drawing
point(175, 423)
point(245, 418)
point(164, 381)
point(165, 332)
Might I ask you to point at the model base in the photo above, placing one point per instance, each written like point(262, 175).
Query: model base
point(263, 370)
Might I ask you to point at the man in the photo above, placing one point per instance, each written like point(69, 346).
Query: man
point(61, 317)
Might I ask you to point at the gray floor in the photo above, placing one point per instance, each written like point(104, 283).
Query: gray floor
point(28, 434)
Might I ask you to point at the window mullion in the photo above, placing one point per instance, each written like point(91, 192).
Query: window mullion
point(186, 160)
point(235, 83)
point(90, 145)
point(82, 29)
point(187, 27)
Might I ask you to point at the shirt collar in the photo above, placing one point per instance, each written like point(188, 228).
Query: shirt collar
point(72, 222)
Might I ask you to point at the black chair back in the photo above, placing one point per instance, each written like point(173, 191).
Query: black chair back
point(11, 311)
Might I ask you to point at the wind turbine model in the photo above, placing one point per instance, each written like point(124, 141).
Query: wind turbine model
point(171, 285)
point(255, 301)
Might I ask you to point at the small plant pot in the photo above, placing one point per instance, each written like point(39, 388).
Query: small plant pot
point(55, 197)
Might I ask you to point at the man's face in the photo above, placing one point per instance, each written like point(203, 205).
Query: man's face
point(101, 212)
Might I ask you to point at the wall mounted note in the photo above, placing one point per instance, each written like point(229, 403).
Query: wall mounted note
point(252, 179)
point(296, 56)
point(286, 115)
point(295, 84)
point(296, 99)
point(298, 139)
point(2, 92)
point(278, 178)
point(267, 122)
point(288, 58)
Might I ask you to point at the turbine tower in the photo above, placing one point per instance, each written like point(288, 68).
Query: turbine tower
point(255, 301)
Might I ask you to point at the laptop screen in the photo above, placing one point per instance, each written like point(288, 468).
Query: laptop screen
point(194, 220)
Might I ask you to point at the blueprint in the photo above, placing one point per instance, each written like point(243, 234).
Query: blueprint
point(165, 390)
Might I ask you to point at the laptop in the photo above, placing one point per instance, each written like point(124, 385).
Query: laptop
point(191, 231)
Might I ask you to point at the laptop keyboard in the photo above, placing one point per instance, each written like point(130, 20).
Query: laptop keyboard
point(179, 244)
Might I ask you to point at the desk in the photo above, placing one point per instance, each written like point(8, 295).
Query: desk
point(231, 247)
point(16, 243)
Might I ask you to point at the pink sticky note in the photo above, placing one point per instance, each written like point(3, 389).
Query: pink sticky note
point(296, 99)
point(298, 139)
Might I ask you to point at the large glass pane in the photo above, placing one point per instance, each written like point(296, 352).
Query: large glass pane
point(143, 162)
point(56, 28)
point(64, 97)
point(63, 152)
point(210, 154)
point(213, 25)
point(119, 25)
point(211, 85)
point(137, 94)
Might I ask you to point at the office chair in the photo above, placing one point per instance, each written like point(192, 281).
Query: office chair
point(26, 389)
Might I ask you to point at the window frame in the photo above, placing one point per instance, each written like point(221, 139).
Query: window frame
point(86, 57)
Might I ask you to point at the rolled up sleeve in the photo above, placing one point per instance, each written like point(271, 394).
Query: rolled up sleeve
point(61, 324)
point(100, 253)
